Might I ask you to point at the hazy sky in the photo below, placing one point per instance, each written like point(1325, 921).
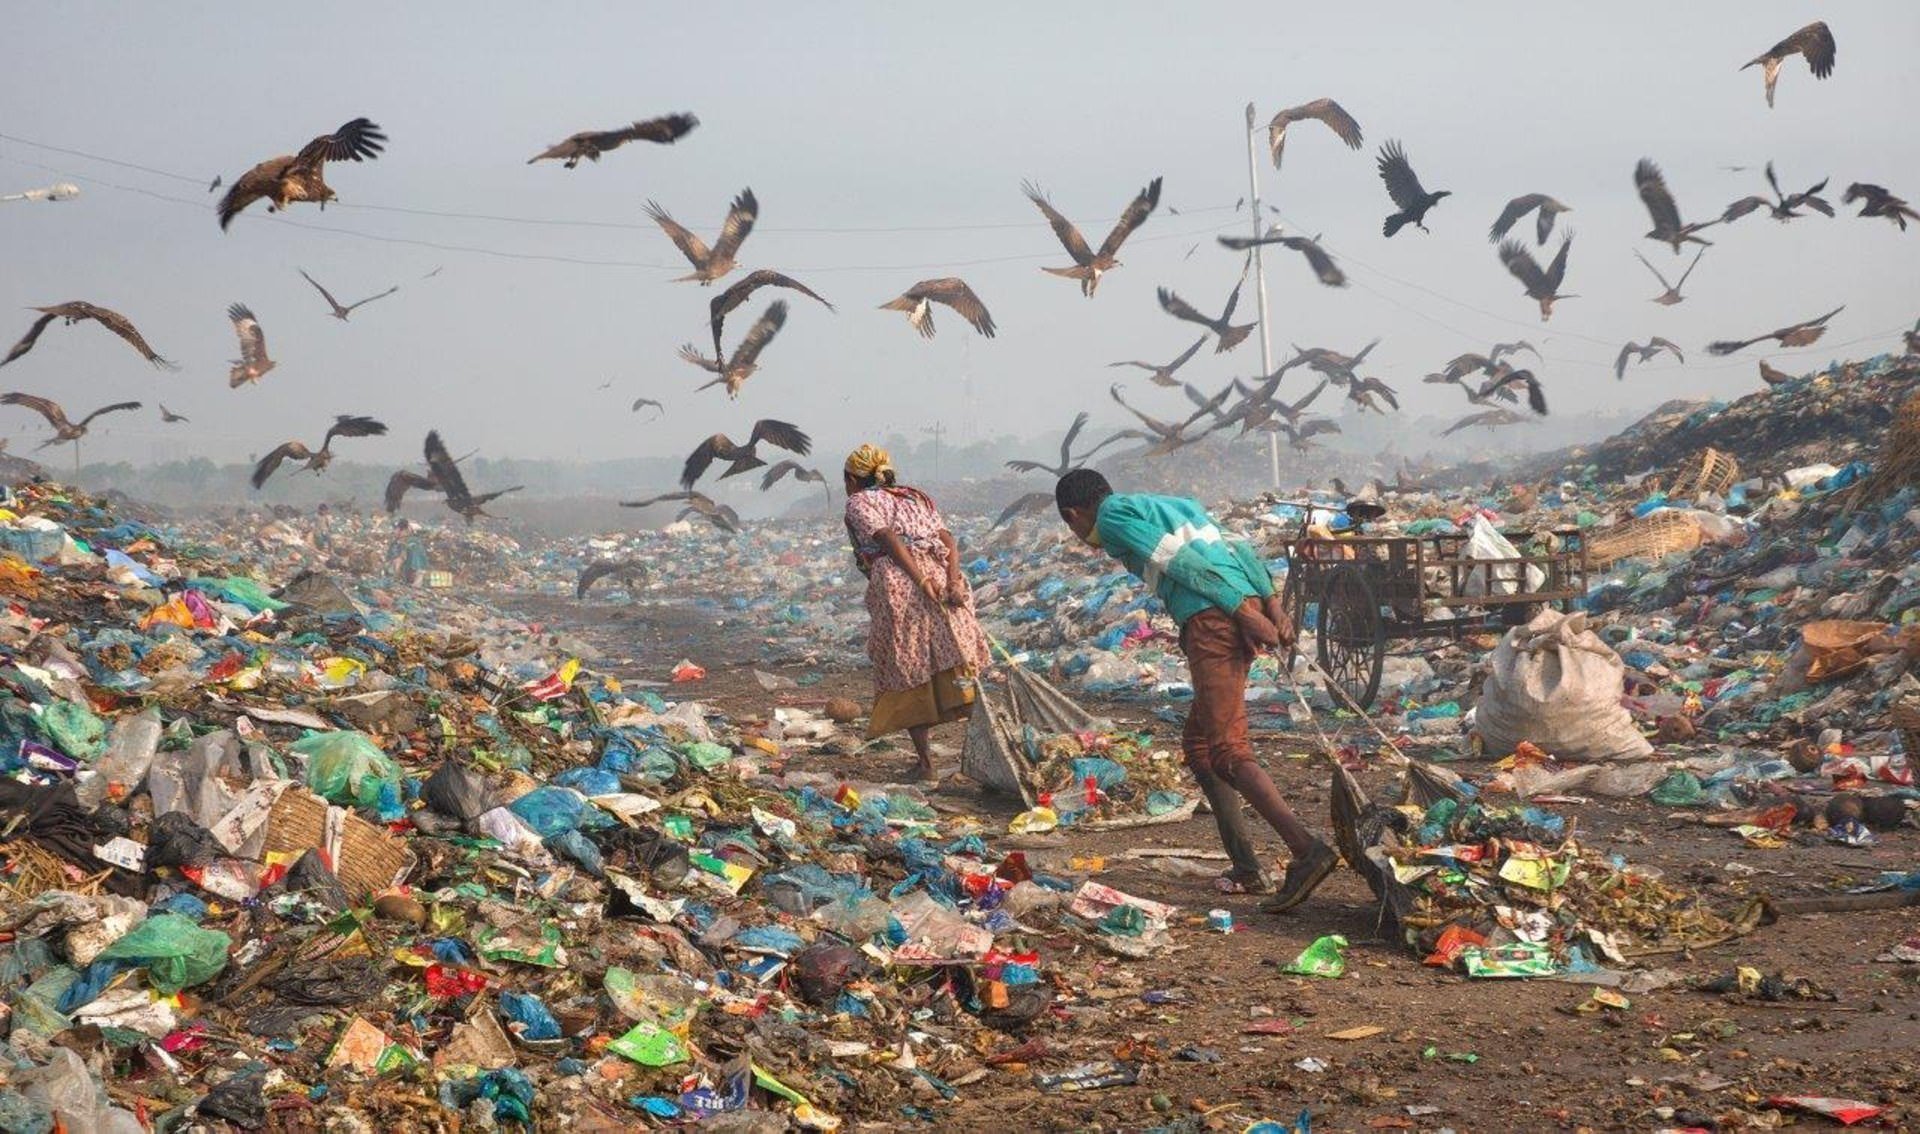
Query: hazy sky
point(887, 144)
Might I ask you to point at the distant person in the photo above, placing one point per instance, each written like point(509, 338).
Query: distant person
point(1221, 595)
point(409, 551)
point(323, 529)
point(925, 643)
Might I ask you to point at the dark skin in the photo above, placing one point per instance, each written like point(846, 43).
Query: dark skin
point(950, 591)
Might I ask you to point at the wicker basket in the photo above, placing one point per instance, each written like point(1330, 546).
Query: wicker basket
point(1709, 472)
point(1649, 537)
point(1904, 715)
point(365, 858)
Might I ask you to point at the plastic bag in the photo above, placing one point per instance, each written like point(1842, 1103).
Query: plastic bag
point(457, 791)
point(1555, 684)
point(1326, 957)
point(75, 729)
point(176, 953)
point(78, 1104)
point(528, 1017)
point(823, 970)
point(550, 810)
point(122, 769)
point(349, 768)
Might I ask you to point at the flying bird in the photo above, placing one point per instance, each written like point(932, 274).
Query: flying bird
point(743, 457)
point(170, 417)
point(1322, 110)
point(918, 300)
point(737, 293)
point(403, 482)
point(253, 363)
point(1360, 391)
point(1322, 264)
point(446, 474)
point(1088, 266)
point(1783, 207)
point(1031, 504)
point(1163, 375)
point(63, 430)
point(1163, 437)
point(1814, 41)
point(1797, 335)
point(1672, 295)
point(697, 504)
point(1227, 334)
point(1643, 354)
point(780, 470)
point(1403, 185)
point(1067, 463)
point(1499, 349)
point(1773, 376)
point(1876, 201)
point(709, 264)
point(745, 359)
point(344, 425)
point(1259, 408)
point(638, 402)
point(1300, 437)
point(590, 144)
point(1520, 207)
point(302, 177)
point(1488, 418)
point(1501, 386)
point(629, 572)
point(215, 183)
point(1667, 226)
point(1341, 368)
point(1542, 286)
point(339, 312)
point(78, 310)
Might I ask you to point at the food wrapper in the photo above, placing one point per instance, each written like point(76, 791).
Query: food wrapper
point(1516, 959)
point(1325, 958)
point(651, 1045)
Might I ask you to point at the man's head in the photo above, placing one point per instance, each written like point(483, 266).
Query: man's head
point(1078, 495)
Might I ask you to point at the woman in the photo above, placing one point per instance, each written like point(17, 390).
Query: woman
point(925, 644)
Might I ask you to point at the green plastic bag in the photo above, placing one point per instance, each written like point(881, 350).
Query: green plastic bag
point(650, 1044)
point(1681, 788)
point(348, 767)
point(175, 952)
point(245, 592)
point(706, 755)
point(1326, 958)
point(75, 729)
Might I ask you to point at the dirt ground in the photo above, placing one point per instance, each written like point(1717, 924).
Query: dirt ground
point(1454, 1053)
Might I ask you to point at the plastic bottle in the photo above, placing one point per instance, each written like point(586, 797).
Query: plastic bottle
point(123, 767)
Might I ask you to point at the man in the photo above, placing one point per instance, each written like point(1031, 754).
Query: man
point(1220, 594)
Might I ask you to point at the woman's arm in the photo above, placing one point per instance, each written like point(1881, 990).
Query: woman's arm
point(956, 581)
point(896, 550)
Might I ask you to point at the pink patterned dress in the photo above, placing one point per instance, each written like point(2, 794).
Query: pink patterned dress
point(911, 641)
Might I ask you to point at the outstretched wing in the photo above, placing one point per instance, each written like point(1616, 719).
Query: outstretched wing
point(740, 217)
point(776, 472)
point(955, 293)
point(446, 472)
point(1031, 502)
point(691, 246)
point(783, 434)
point(1317, 259)
point(1742, 207)
point(1323, 110)
point(1667, 344)
point(1179, 308)
point(1063, 229)
point(735, 295)
point(358, 140)
point(689, 354)
point(702, 458)
point(1136, 214)
point(1516, 208)
point(1524, 268)
point(1654, 195)
point(45, 407)
point(1403, 185)
point(1073, 431)
point(352, 425)
point(116, 407)
point(1815, 41)
point(324, 293)
point(253, 341)
point(120, 325)
point(32, 336)
point(403, 482)
point(1157, 427)
point(271, 462)
point(759, 335)
point(638, 402)
point(660, 499)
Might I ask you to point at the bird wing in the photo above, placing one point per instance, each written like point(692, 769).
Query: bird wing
point(1233, 301)
point(1667, 344)
point(116, 407)
point(1654, 195)
point(783, 434)
point(1516, 208)
point(32, 336)
point(253, 341)
point(1135, 215)
point(1815, 41)
point(120, 325)
point(1186, 355)
point(735, 295)
point(1656, 271)
point(666, 129)
point(775, 472)
point(760, 334)
point(1730, 346)
point(1316, 427)
point(1487, 417)
point(490, 497)
point(249, 187)
point(661, 499)
point(1073, 431)
point(324, 293)
point(371, 298)
point(1317, 259)
point(1536, 396)
point(592, 573)
point(1557, 271)
point(271, 462)
point(1821, 321)
point(638, 402)
point(446, 472)
point(1512, 348)
point(1306, 401)
point(1524, 268)
point(1031, 502)
point(1375, 385)
point(703, 457)
point(402, 482)
point(691, 246)
point(688, 354)
point(733, 231)
point(1620, 361)
point(1323, 110)
point(352, 425)
point(358, 140)
point(955, 293)
point(1180, 309)
point(1742, 207)
point(1403, 185)
point(45, 407)
point(1063, 229)
point(1773, 182)
point(1157, 427)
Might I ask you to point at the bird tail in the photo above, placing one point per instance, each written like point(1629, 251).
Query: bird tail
point(1393, 225)
point(1233, 337)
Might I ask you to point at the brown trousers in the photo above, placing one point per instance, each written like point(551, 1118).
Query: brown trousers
point(1215, 735)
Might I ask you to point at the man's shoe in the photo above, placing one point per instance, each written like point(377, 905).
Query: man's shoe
point(1304, 875)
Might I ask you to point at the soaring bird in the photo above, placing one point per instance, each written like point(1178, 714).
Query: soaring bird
point(1643, 354)
point(737, 293)
point(780, 470)
point(1783, 207)
point(1667, 226)
point(1876, 201)
point(339, 312)
point(1772, 375)
point(253, 363)
point(1498, 349)
point(1339, 367)
point(1088, 266)
point(590, 144)
point(1501, 386)
point(403, 482)
point(1360, 391)
point(63, 430)
point(170, 417)
point(1322, 110)
point(1403, 185)
point(1259, 406)
point(446, 474)
point(1814, 41)
point(1163, 375)
point(1488, 418)
point(1164, 437)
point(745, 359)
point(1031, 504)
point(638, 402)
point(1672, 295)
point(709, 264)
point(697, 504)
point(1542, 286)
point(344, 425)
point(1067, 463)
point(1797, 335)
point(75, 311)
point(630, 573)
point(1227, 334)
point(1520, 207)
point(1300, 436)
point(918, 300)
point(1322, 264)
point(743, 457)
point(302, 177)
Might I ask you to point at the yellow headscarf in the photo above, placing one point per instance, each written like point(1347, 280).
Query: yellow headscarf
point(869, 461)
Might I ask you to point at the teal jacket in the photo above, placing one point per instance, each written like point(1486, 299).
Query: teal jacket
point(1177, 549)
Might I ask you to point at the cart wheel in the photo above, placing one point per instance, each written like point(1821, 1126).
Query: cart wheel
point(1352, 635)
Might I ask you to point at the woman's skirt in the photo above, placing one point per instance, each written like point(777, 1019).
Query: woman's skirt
point(948, 697)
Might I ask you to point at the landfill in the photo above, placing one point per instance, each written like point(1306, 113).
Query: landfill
point(289, 843)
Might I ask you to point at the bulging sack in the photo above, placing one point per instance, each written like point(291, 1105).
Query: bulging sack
point(1556, 684)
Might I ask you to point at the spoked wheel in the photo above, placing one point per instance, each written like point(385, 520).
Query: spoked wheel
point(1352, 636)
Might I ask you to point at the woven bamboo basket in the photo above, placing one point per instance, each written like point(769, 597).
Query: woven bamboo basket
point(366, 859)
point(1649, 537)
point(1708, 472)
point(1898, 463)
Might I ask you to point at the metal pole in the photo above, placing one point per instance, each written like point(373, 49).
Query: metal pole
point(1260, 286)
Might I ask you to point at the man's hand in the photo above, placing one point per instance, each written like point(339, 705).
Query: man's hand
point(1282, 621)
point(1258, 630)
